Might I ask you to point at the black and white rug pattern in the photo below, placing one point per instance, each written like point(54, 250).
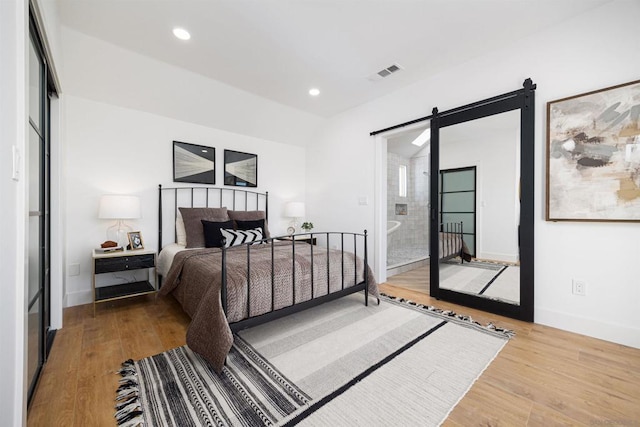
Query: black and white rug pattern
point(179, 388)
point(323, 366)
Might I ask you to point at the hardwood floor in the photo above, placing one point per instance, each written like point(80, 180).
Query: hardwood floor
point(78, 384)
point(543, 376)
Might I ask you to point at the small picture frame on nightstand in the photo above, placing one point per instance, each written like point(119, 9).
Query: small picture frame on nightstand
point(135, 240)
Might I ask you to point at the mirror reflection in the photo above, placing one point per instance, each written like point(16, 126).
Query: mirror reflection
point(479, 205)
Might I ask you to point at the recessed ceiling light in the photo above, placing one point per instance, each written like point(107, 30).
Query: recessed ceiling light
point(314, 91)
point(181, 33)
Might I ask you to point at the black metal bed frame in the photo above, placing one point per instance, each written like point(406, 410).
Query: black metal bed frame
point(294, 308)
point(313, 301)
point(447, 244)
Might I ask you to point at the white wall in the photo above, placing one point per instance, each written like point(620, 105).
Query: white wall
point(495, 154)
point(97, 70)
point(594, 50)
point(14, 32)
point(104, 142)
point(120, 106)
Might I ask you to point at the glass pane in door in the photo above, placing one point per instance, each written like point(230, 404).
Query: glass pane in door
point(35, 215)
point(35, 86)
point(35, 180)
point(34, 338)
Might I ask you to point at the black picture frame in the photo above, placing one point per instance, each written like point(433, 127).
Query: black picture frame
point(194, 163)
point(240, 169)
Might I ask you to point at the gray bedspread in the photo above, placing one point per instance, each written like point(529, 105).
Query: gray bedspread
point(195, 281)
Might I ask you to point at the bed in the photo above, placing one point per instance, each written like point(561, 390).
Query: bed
point(257, 279)
point(451, 243)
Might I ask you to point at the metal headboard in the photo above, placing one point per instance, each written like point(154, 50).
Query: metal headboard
point(171, 198)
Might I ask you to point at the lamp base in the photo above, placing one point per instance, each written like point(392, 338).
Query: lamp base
point(294, 226)
point(118, 233)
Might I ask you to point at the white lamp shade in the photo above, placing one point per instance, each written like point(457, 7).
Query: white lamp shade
point(294, 210)
point(116, 206)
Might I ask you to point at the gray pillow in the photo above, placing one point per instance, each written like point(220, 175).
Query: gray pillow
point(251, 216)
point(193, 217)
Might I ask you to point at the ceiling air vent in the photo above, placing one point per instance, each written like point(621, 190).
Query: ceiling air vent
point(385, 72)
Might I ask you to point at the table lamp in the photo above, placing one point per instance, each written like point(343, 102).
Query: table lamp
point(119, 207)
point(296, 211)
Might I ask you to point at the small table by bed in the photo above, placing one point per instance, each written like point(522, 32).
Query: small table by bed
point(303, 238)
point(114, 262)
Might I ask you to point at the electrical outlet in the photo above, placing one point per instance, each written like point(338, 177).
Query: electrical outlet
point(579, 287)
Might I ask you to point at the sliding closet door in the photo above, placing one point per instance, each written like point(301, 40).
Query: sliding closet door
point(38, 280)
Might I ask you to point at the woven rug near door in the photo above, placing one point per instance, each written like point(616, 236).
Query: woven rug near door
point(340, 363)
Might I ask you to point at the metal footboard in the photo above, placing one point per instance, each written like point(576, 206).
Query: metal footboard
point(313, 301)
point(452, 247)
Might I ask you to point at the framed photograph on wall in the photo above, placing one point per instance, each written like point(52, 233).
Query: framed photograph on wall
point(194, 163)
point(135, 240)
point(240, 169)
point(593, 155)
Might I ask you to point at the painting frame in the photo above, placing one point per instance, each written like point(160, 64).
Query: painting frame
point(135, 240)
point(593, 156)
point(193, 163)
point(240, 169)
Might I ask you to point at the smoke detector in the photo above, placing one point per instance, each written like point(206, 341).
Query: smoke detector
point(385, 72)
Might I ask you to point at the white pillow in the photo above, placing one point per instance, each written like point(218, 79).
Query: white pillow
point(181, 233)
point(238, 237)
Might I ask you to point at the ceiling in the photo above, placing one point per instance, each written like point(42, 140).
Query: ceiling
point(279, 49)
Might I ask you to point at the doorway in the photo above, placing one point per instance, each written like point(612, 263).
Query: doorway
point(407, 200)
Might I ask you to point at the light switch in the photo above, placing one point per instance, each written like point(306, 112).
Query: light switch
point(363, 200)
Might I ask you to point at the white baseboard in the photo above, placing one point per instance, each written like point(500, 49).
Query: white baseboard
point(497, 257)
point(78, 298)
point(620, 334)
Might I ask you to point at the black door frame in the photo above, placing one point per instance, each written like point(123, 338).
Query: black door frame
point(43, 130)
point(475, 200)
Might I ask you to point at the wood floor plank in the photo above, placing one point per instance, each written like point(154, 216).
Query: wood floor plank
point(54, 402)
point(65, 352)
point(95, 401)
point(492, 406)
point(542, 377)
point(543, 416)
point(562, 374)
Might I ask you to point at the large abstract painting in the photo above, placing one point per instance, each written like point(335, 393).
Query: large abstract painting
point(593, 156)
point(194, 163)
point(240, 169)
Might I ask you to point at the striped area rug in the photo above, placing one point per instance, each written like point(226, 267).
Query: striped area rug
point(340, 363)
point(473, 277)
point(179, 388)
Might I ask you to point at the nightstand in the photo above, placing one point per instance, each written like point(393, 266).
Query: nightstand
point(118, 262)
point(302, 239)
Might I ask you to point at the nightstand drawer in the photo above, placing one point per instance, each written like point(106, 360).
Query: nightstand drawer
point(131, 262)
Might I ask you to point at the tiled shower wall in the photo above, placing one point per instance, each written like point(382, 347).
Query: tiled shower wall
point(411, 241)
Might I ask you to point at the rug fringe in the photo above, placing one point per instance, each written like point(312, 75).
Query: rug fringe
point(128, 407)
point(452, 314)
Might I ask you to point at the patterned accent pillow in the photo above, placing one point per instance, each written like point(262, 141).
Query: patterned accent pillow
point(238, 237)
point(250, 225)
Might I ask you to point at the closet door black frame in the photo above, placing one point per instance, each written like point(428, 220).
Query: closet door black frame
point(43, 130)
